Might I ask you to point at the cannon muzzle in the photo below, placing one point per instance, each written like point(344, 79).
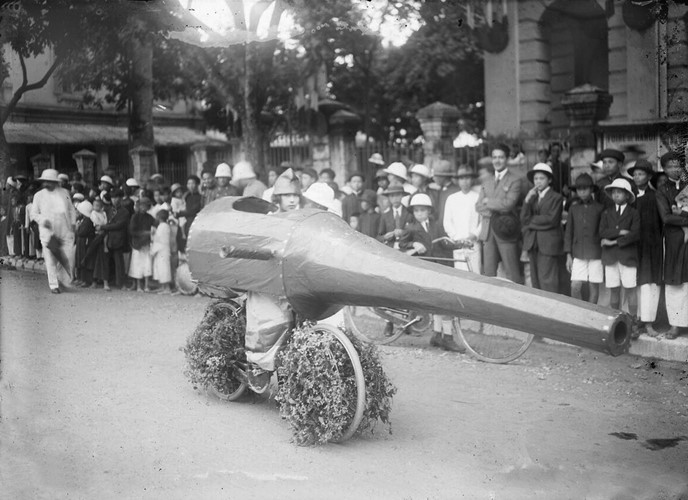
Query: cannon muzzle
point(315, 260)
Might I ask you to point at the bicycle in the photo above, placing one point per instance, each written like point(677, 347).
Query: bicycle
point(244, 375)
point(484, 341)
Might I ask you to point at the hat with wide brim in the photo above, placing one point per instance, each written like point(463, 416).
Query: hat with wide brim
point(85, 208)
point(49, 175)
point(320, 194)
point(397, 168)
point(376, 159)
point(422, 170)
point(131, 182)
point(108, 179)
point(174, 187)
point(623, 184)
point(420, 200)
point(612, 153)
point(444, 168)
point(542, 168)
point(394, 189)
point(643, 165)
point(506, 226)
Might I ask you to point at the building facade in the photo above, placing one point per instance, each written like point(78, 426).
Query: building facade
point(50, 128)
point(588, 73)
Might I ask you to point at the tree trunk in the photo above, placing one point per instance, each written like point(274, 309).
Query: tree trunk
point(249, 126)
point(5, 163)
point(141, 138)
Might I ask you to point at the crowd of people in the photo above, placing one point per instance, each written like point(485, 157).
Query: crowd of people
point(608, 236)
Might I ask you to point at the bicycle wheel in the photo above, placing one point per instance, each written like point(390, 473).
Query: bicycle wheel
point(321, 389)
point(491, 343)
point(371, 324)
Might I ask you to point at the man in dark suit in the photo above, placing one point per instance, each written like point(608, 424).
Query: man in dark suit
point(117, 236)
point(541, 226)
point(393, 221)
point(674, 220)
point(499, 196)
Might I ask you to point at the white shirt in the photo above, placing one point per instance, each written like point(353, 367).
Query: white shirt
point(499, 175)
point(620, 208)
point(541, 194)
point(56, 208)
point(461, 219)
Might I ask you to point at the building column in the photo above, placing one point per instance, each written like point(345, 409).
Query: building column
point(440, 125)
point(144, 161)
point(342, 143)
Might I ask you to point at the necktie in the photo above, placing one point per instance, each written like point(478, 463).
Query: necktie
point(618, 210)
point(425, 226)
point(397, 219)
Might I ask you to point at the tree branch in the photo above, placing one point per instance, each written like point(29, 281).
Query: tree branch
point(26, 87)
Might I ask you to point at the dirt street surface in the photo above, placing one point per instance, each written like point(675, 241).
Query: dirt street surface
point(95, 406)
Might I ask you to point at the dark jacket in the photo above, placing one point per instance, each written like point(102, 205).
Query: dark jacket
point(85, 234)
point(604, 196)
point(502, 198)
point(582, 234)
point(387, 224)
point(541, 224)
point(117, 230)
point(415, 233)
point(351, 204)
point(368, 224)
point(193, 206)
point(650, 248)
point(626, 249)
point(675, 250)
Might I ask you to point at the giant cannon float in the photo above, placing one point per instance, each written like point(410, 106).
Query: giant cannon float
point(320, 264)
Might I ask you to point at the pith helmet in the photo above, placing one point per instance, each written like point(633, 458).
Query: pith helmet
point(287, 183)
point(243, 170)
point(223, 170)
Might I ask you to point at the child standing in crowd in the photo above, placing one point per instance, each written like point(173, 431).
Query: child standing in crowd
point(85, 232)
point(177, 205)
point(582, 241)
point(369, 220)
point(421, 238)
point(101, 268)
point(355, 221)
point(140, 226)
point(541, 225)
point(160, 250)
point(394, 220)
point(620, 233)
point(651, 247)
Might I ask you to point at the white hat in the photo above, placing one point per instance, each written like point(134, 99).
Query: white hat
point(11, 182)
point(421, 170)
point(131, 182)
point(174, 187)
point(155, 176)
point(398, 169)
point(620, 183)
point(77, 197)
point(376, 158)
point(223, 170)
point(420, 200)
point(108, 179)
point(320, 193)
point(243, 170)
point(49, 174)
point(540, 167)
point(85, 208)
point(63, 177)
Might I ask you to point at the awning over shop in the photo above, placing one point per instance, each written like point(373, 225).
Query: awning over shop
point(71, 133)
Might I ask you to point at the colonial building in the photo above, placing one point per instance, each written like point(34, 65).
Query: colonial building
point(51, 128)
point(589, 73)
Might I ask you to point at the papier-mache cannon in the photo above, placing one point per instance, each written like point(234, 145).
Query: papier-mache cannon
point(320, 264)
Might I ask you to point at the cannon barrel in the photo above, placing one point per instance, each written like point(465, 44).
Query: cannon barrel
point(315, 260)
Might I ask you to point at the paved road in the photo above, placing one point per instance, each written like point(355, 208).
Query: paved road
point(95, 405)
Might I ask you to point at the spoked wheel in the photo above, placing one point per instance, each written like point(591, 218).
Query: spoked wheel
point(322, 387)
point(371, 324)
point(234, 384)
point(490, 343)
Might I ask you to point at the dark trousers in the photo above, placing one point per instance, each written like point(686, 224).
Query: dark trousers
point(117, 265)
point(506, 252)
point(544, 271)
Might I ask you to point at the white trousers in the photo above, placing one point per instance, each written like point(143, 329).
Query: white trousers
point(56, 272)
point(677, 304)
point(648, 300)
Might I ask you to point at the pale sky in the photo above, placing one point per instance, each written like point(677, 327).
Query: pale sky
point(217, 15)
